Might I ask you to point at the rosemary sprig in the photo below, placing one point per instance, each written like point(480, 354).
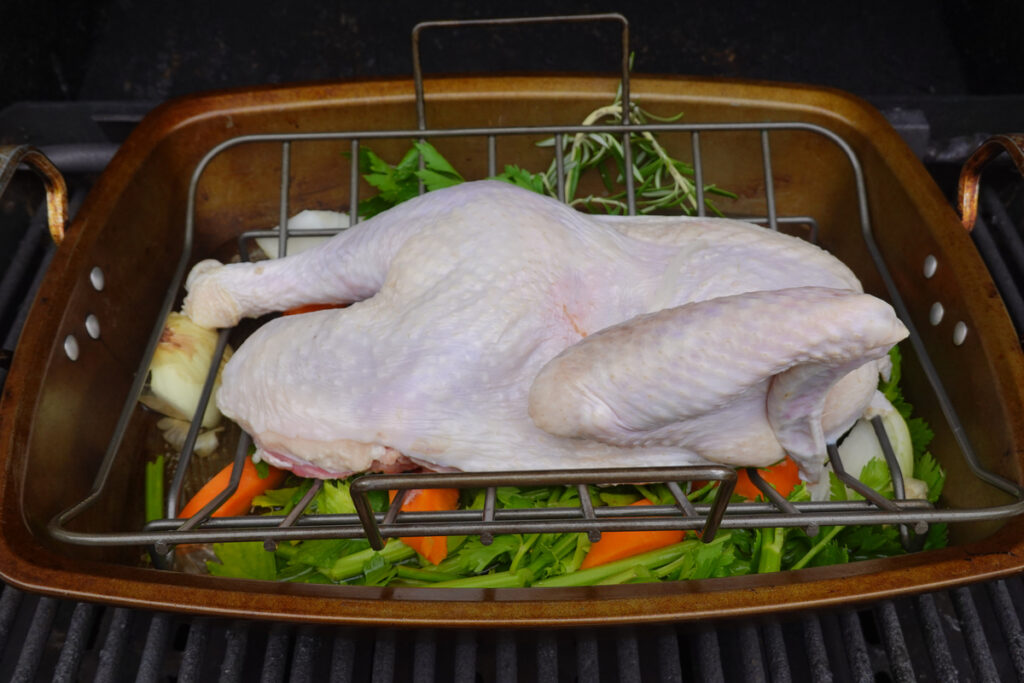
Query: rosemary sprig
point(660, 181)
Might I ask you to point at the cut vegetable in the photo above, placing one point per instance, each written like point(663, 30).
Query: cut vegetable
point(299, 226)
point(432, 548)
point(249, 486)
point(310, 308)
point(175, 433)
point(178, 371)
point(783, 476)
point(155, 488)
point(616, 545)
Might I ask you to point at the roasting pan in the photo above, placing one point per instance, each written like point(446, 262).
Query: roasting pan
point(800, 158)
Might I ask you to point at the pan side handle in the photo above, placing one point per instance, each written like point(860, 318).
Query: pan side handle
point(11, 156)
point(970, 174)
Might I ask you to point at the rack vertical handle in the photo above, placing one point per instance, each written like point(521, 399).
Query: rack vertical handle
point(11, 156)
point(417, 68)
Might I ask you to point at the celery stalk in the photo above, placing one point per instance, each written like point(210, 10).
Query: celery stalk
point(507, 579)
point(809, 555)
point(352, 565)
point(770, 559)
point(155, 489)
point(425, 576)
point(594, 575)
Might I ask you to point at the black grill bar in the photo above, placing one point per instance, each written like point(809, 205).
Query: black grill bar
point(275, 658)
point(465, 657)
point(118, 634)
point(33, 644)
point(817, 655)
point(236, 641)
point(195, 651)
point(708, 656)
point(977, 641)
point(506, 669)
point(425, 656)
point(628, 655)
point(547, 657)
point(83, 618)
point(1009, 622)
point(307, 645)
point(384, 656)
point(775, 651)
point(588, 666)
point(10, 599)
point(155, 650)
point(343, 654)
point(857, 653)
point(896, 647)
point(751, 653)
point(935, 638)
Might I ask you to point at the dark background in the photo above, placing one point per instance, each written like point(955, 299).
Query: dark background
point(150, 51)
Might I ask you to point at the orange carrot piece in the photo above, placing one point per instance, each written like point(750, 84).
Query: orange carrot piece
point(433, 548)
point(616, 545)
point(309, 308)
point(783, 475)
point(249, 486)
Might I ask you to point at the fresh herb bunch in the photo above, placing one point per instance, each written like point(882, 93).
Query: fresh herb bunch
point(661, 183)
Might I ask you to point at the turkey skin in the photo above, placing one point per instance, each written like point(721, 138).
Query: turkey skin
point(491, 328)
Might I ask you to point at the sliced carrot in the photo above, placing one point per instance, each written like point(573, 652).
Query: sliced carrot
point(249, 486)
point(309, 308)
point(616, 545)
point(783, 475)
point(433, 548)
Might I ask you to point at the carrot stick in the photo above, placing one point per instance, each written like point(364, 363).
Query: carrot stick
point(309, 308)
point(616, 545)
point(249, 486)
point(433, 548)
point(783, 475)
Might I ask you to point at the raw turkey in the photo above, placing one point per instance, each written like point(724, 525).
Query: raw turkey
point(492, 329)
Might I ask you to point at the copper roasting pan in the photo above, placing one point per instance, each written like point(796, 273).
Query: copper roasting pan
point(57, 415)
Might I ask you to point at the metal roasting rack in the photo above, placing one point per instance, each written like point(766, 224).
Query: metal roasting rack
point(912, 516)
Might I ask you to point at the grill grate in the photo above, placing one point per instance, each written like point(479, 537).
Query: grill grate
point(963, 635)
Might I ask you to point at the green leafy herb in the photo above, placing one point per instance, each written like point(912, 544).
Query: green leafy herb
point(334, 498)
point(876, 475)
point(243, 560)
point(262, 468)
point(396, 184)
point(928, 470)
point(281, 500)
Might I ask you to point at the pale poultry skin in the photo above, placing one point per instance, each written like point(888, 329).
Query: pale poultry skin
point(493, 329)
